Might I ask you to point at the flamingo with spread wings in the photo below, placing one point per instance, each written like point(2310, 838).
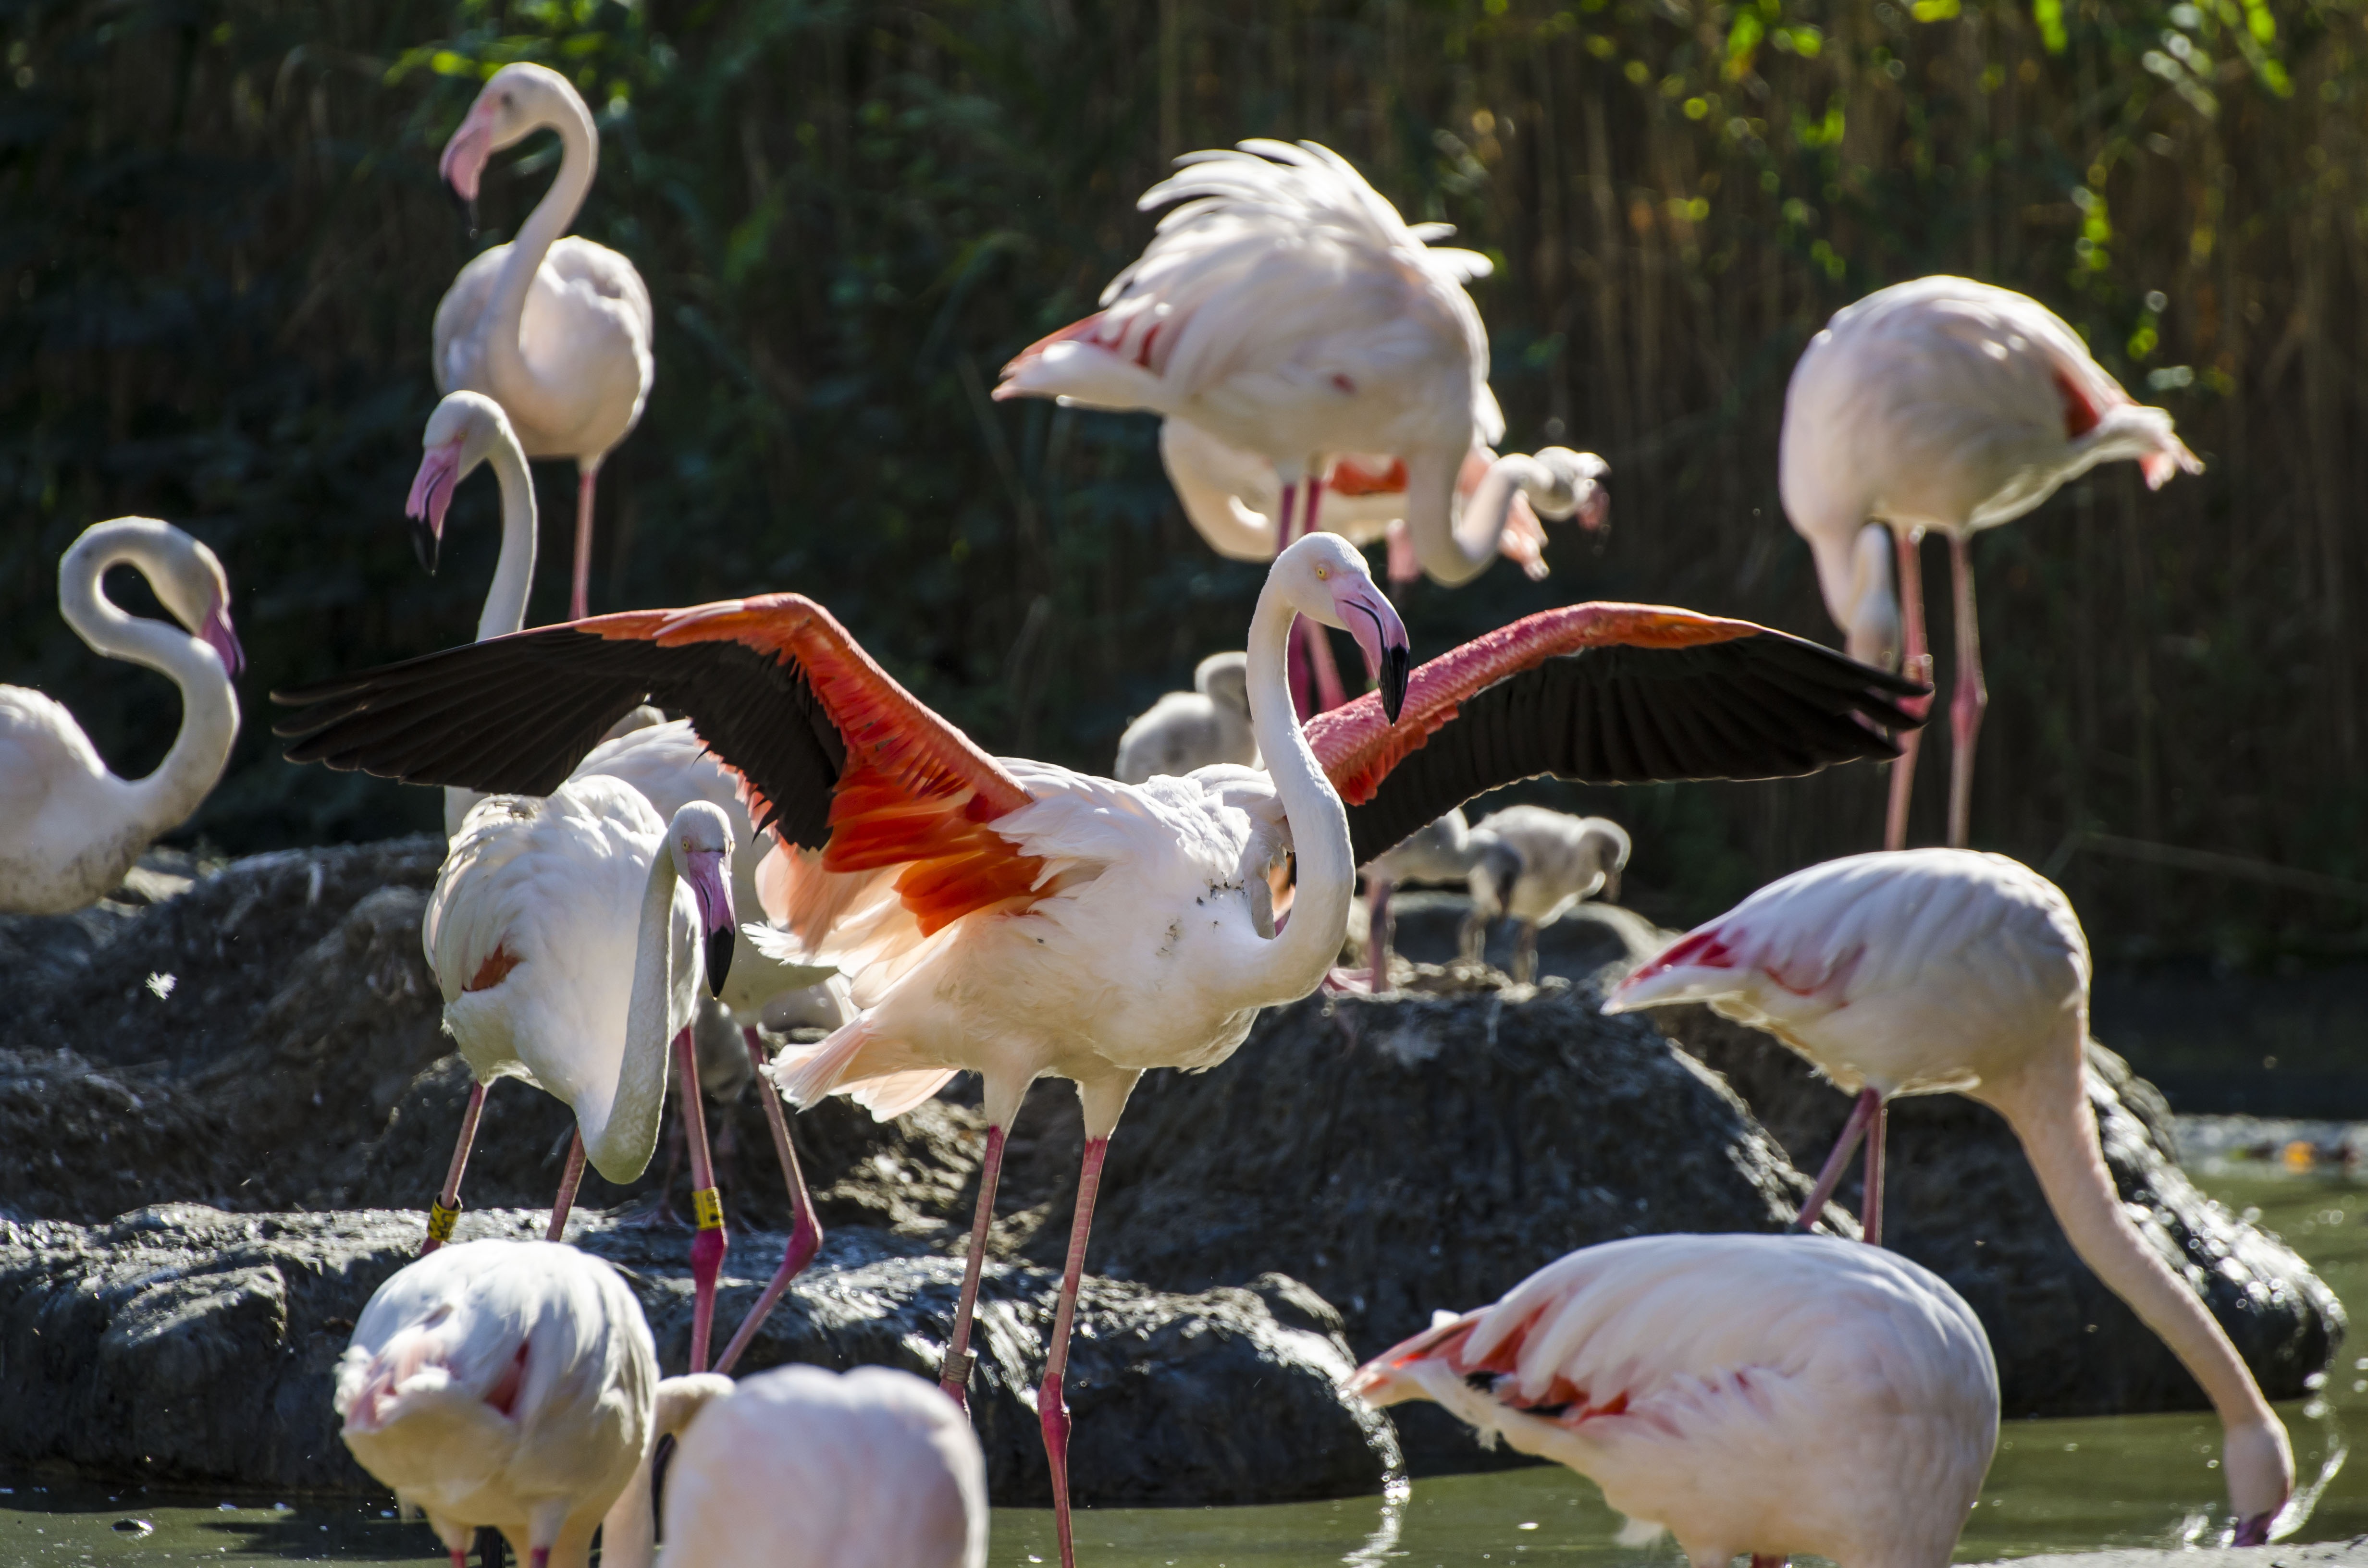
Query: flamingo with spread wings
point(1018, 919)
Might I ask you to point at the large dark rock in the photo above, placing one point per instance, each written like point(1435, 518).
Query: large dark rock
point(1961, 1200)
point(182, 1343)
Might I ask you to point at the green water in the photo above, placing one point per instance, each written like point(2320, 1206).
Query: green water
point(2056, 1485)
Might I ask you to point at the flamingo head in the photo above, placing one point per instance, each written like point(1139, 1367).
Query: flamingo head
point(515, 102)
point(700, 839)
point(1325, 578)
point(1578, 476)
point(464, 431)
point(197, 592)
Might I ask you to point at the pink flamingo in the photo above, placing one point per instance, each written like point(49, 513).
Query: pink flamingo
point(1760, 1394)
point(1917, 971)
point(1018, 919)
point(1955, 406)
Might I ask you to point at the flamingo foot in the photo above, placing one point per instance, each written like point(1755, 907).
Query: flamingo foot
point(2254, 1531)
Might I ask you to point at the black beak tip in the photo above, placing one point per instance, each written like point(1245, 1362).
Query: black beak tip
point(426, 544)
point(719, 959)
point(1396, 669)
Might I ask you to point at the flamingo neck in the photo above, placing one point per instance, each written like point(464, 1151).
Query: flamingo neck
point(209, 705)
point(1296, 961)
point(663, 1001)
point(579, 158)
point(506, 598)
point(1455, 547)
point(2047, 1106)
point(629, 1532)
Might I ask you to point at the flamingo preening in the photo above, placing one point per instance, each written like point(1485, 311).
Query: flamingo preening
point(1953, 406)
point(1751, 1395)
point(69, 828)
point(1917, 971)
point(1018, 919)
point(556, 330)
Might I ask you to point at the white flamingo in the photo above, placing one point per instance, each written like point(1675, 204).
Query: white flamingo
point(504, 1384)
point(1558, 861)
point(802, 1468)
point(1287, 310)
point(1020, 919)
point(1955, 406)
point(1750, 1394)
point(568, 935)
point(69, 828)
point(556, 330)
point(1923, 971)
point(1185, 730)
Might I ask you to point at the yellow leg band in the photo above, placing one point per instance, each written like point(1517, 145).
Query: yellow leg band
point(708, 1204)
point(439, 1222)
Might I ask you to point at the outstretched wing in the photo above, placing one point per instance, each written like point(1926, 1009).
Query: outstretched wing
point(837, 757)
point(1603, 694)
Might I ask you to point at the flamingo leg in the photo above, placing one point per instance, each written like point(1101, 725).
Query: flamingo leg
point(1870, 1215)
point(1298, 674)
point(1973, 695)
point(1525, 952)
point(955, 1377)
point(805, 1230)
point(1759, 1559)
point(707, 1246)
point(1377, 930)
point(1862, 1114)
point(1331, 692)
point(1051, 1409)
point(579, 596)
point(571, 1177)
point(446, 1209)
point(1917, 665)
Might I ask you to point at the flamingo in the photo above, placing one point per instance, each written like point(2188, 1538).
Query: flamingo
point(663, 761)
point(1923, 971)
point(1185, 730)
point(1760, 1394)
point(69, 828)
point(1446, 850)
point(1287, 310)
point(1230, 496)
point(568, 935)
point(1018, 919)
point(557, 331)
point(1562, 859)
point(508, 1384)
point(803, 1468)
point(1955, 406)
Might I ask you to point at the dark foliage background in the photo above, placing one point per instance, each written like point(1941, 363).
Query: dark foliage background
point(221, 239)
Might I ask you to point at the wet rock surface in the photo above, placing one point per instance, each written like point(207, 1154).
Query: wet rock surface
point(182, 1343)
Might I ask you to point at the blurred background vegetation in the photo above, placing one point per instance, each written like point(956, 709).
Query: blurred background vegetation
point(222, 238)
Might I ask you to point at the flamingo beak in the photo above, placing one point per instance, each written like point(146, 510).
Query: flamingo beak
point(1381, 636)
point(463, 163)
point(715, 919)
point(431, 496)
point(217, 635)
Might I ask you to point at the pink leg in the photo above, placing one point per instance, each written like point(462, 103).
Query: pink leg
point(1378, 929)
point(1870, 1215)
point(1404, 567)
point(1757, 1561)
point(1973, 696)
point(707, 1247)
point(446, 1208)
point(805, 1233)
point(579, 600)
point(563, 1202)
point(460, 1557)
point(955, 1377)
point(1330, 691)
point(1052, 1410)
point(1916, 665)
point(1862, 1114)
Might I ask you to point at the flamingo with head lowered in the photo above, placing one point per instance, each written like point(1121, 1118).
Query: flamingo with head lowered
point(1018, 919)
point(1955, 406)
point(556, 330)
point(1917, 971)
point(69, 828)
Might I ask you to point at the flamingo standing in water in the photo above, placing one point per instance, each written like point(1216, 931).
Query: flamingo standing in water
point(1955, 406)
point(1288, 310)
point(1917, 971)
point(1759, 1394)
point(69, 828)
point(803, 1468)
point(1018, 919)
point(556, 330)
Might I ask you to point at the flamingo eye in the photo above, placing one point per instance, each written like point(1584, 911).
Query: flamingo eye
point(1324, 574)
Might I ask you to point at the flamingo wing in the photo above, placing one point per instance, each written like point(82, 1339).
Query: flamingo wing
point(835, 754)
point(1603, 694)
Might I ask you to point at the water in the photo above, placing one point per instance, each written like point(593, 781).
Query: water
point(2056, 1485)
